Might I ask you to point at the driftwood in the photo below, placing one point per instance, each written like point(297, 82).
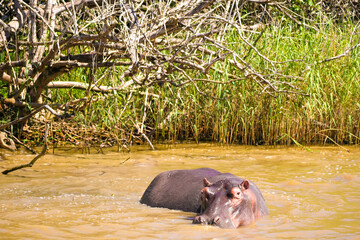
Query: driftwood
point(30, 164)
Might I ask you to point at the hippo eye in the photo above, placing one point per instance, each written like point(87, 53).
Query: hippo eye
point(238, 194)
point(235, 192)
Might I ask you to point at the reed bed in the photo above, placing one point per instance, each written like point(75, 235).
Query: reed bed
point(330, 114)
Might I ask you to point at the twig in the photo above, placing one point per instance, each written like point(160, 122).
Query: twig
point(327, 137)
point(341, 55)
point(195, 85)
point(30, 164)
point(285, 11)
point(296, 142)
point(148, 140)
point(37, 14)
point(19, 142)
point(144, 136)
point(123, 162)
point(144, 118)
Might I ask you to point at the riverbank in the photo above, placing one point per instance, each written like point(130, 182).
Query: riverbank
point(314, 71)
point(323, 65)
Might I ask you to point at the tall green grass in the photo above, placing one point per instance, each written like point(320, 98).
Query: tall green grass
point(331, 112)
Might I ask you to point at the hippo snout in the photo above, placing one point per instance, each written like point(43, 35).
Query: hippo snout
point(199, 220)
point(206, 220)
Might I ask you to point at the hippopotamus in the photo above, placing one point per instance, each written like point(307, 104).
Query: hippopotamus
point(220, 199)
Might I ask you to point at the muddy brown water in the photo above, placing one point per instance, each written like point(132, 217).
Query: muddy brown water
point(70, 195)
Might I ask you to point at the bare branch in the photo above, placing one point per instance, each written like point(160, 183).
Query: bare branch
point(84, 86)
point(38, 15)
point(30, 164)
point(347, 52)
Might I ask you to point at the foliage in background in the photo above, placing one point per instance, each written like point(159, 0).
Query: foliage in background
point(314, 66)
point(331, 112)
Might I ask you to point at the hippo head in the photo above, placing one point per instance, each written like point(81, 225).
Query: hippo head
point(225, 204)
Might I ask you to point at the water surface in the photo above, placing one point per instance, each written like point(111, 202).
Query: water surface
point(70, 195)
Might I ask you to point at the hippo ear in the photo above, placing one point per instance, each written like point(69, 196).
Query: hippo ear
point(245, 184)
point(206, 182)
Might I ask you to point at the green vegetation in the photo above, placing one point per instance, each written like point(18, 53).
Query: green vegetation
point(329, 110)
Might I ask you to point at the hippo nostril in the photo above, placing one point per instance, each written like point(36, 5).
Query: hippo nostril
point(216, 220)
point(200, 220)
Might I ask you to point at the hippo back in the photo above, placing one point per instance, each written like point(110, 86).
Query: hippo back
point(177, 189)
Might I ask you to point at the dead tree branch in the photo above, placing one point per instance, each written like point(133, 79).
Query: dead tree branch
point(347, 52)
point(30, 164)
